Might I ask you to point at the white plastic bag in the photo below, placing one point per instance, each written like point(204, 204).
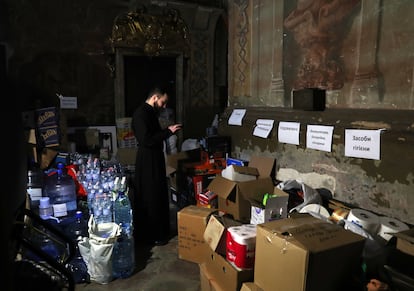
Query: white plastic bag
point(310, 195)
point(96, 250)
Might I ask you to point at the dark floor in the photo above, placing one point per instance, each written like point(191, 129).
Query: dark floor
point(158, 268)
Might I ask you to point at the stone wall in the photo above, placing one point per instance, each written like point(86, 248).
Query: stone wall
point(360, 52)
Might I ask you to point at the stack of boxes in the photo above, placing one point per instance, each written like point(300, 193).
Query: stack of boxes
point(249, 246)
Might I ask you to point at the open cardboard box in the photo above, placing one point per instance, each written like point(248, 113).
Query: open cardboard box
point(226, 276)
point(234, 197)
point(305, 253)
point(276, 207)
point(216, 232)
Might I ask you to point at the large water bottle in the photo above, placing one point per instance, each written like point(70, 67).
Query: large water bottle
point(61, 190)
point(123, 256)
point(122, 208)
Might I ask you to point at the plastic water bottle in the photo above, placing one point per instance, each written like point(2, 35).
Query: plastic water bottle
point(123, 256)
point(76, 231)
point(102, 207)
point(122, 208)
point(61, 190)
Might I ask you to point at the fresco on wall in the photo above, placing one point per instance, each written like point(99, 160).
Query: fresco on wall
point(318, 28)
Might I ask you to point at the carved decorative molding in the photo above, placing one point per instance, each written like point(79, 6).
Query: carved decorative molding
point(155, 34)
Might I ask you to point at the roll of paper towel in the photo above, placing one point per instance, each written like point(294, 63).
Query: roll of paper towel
point(389, 225)
point(365, 219)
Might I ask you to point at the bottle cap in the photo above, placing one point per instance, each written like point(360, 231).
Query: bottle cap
point(44, 202)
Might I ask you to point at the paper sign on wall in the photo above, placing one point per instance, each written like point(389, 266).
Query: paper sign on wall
point(236, 117)
point(319, 137)
point(263, 127)
point(289, 132)
point(363, 143)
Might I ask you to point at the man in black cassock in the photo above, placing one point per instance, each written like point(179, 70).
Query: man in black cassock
point(151, 209)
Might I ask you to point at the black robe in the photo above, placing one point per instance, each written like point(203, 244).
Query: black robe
point(151, 200)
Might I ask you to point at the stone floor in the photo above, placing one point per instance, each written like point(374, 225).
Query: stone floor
point(158, 268)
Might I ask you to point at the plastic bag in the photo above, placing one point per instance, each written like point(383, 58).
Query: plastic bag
point(310, 195)
point(96, 250)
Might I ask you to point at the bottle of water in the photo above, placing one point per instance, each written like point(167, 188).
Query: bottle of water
point(61, 190)
point(122, 208)
point(123, 256)
point(76, 231)
point(102, 207)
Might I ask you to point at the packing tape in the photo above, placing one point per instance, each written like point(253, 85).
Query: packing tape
point(389, 226)
point(365, 219)
point(339, 214)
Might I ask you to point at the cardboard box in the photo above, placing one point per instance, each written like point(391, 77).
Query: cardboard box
point(191, 223)
point(225, 274)
point(48, 136)
point(216, 232)
point(250, 286)
point(207, 282)
point(276, 207)
point(240, 173)
point(234, 197)
point(46, 117)
point(405, 241)
point(305, 253)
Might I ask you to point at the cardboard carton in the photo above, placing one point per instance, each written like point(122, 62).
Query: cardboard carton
point(235, 197)
point(405, 241)
point(191, 222)
point(250, 286)
point(276, 207)
point(225, 274)
point(216, 232)
point(305, 253)
point(207, 282)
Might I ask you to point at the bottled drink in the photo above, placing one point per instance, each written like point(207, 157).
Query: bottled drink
point(61, 190)
point(76, 231)
point(78, 268)
point(102, 207)
point(122, 208)
point(123, 256)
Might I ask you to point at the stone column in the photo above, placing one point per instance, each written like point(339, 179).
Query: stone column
point(364, 90)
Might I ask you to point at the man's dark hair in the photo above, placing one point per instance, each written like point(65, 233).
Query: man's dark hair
point(159, 91)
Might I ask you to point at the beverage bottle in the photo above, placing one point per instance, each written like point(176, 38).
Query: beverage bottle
point(61, 190)
point(123, 255)
point(76, 231)
point(122, 208)
point(102, 207)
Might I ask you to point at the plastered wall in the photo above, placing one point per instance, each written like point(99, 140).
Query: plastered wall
point(360, 52)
